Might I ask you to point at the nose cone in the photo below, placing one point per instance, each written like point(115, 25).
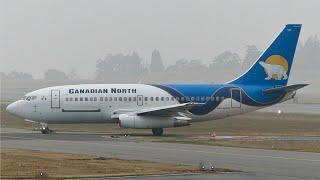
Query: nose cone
point(14, 109)
point(11, 108)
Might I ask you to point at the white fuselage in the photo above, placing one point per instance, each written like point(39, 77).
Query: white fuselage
point(97, 103)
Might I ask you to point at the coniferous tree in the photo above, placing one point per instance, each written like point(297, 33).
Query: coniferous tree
point(156, 62)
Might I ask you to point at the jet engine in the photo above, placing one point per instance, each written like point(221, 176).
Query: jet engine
point(150, 122)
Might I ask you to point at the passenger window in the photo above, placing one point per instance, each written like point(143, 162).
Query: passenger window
point(167, 98)
point(81, 99)
point(134, 99)
point(67, 99)
point(120, 98)
point(187, 98)
point(76, 99)
point(217, 98)
point(202, 98)
point(115, 98)
point(162, 98)
point(105, 98)
point(145, 98)
point(192, 99)
point(172, 98)
point(125, 99)
point(182, 98)
point(110, 98)
point(85, 99)
point(91, 98)
point(157, 98)
point(151, 98)
point(71, 99)
point(177, 98)
point(95, 99)
point(212, 98)
point(101, 98)
point(129, 98)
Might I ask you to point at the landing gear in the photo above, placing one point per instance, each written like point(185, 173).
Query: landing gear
point(157, 131)
point(44, 128)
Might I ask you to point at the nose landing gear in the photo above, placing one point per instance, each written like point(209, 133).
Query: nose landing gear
point(45, 129)
point(157, 131)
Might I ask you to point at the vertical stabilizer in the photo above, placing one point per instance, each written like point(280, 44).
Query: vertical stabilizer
point(273, 67)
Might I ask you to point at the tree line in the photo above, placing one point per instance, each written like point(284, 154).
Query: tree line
point(120, 67)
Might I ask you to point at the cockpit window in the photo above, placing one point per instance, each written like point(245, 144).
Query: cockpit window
point(29, 98)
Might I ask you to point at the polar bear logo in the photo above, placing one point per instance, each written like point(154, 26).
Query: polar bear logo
point(274, 71)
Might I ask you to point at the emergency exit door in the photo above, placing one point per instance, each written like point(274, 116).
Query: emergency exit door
point(139, 100)
point(55, 98)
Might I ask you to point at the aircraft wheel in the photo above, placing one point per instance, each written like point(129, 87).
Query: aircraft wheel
point(45, 130)
point(157, 131)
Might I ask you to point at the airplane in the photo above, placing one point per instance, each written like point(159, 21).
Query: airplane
point(159, 106)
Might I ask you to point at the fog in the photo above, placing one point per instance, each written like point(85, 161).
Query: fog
point(45, 43)
point(40, 34)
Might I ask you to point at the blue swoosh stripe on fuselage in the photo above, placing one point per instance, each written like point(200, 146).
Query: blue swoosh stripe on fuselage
point(208, 90)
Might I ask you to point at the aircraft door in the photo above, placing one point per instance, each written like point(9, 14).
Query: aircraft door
point(139, 100)
point(55, 98)
point(236, 98)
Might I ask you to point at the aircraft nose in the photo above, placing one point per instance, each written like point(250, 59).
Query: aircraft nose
point(10, 108)
point(14, 109)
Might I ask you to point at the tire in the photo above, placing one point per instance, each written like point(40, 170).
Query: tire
point(45, 131)
point(157, 131)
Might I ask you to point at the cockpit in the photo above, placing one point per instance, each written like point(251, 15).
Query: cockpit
point(31, 105)
point(29, 98)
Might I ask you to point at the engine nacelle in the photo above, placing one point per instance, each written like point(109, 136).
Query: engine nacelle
point(150, 122)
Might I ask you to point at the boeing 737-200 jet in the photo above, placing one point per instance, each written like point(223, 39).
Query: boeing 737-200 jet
point(158, 106)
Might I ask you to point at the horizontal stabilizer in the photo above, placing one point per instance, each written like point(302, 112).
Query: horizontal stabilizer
point(282, 89)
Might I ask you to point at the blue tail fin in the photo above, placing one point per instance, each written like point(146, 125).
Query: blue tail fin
point(273, 67)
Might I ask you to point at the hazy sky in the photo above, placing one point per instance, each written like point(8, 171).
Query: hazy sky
point(39, 34)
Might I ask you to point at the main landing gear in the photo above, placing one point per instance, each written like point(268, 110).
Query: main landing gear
point(45, 129)
point(157, 131)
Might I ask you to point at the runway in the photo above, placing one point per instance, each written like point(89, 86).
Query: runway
point(254, 163)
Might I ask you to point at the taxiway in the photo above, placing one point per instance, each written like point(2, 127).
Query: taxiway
point(253, 163)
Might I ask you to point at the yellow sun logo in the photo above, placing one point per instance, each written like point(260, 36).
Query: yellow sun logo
point(275, 67)
point(278, 60)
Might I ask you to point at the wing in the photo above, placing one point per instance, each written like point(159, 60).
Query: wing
point(168, 110)
point(171, 110)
